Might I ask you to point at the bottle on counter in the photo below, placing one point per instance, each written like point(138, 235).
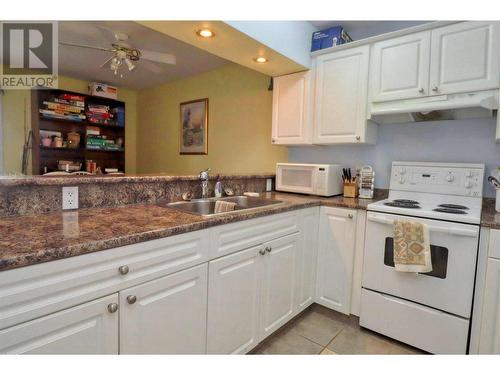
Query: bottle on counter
point(218, 188)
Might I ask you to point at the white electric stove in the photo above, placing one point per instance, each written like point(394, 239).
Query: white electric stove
point(430, 311)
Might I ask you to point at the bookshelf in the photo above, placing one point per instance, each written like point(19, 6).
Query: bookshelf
point(47, 158)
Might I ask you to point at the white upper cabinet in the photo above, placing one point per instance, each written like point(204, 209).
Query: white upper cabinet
point(291, 123)
point(341, 97)
point(400, 67)
point(465, 57)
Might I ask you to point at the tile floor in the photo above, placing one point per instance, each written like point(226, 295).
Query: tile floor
point(319, 330)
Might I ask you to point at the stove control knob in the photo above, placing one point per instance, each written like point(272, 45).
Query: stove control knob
point(468, 173)
point(450, 178)
point(468, 184)
point(401, 180)
point(402, 170)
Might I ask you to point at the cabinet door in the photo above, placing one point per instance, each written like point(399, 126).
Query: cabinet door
point(278, 283)
point(85, 329)
point(234, 302)
point(306, 259)
point(341, 96)
point(465, 57)
point(291, 123)
point(336, 244)
point(489, 342)
point(165, 316)
point(400, 67)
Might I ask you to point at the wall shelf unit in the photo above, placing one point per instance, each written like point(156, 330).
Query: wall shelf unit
point(112, 128)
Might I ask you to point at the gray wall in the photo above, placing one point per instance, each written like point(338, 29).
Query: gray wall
point(464, 141)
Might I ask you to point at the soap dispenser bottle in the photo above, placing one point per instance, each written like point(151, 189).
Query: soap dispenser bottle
point(218, 187)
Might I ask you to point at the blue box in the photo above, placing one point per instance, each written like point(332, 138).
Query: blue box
point(327, 38)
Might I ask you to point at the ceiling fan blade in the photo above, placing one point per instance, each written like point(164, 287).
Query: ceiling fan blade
point(165, 58)
point(86, 46)
point(150, 66)
point(106, 62)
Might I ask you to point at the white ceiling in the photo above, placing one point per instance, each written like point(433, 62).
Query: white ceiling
point(364, 29)
point(85, 63)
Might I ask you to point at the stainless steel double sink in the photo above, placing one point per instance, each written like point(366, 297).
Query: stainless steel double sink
point(206, 207)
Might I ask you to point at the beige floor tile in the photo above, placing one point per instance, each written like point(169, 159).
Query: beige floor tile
point(354, 340)
point(317, 327)
point(327, 351)
point(288, 342)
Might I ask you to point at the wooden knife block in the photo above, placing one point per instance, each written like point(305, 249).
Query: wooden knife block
point(350, 189)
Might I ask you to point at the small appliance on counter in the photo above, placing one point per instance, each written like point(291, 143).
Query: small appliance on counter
point(496, 184)
point(316, 179)
point(366, 182)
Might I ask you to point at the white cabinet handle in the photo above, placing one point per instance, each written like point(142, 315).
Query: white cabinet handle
point(421, 90)
point(358, 138)
point(123, 270)
point(350, 216)
point(262, 252)
point(435, 88)
point(131, 299)
point(269, 249)
point(452, 231)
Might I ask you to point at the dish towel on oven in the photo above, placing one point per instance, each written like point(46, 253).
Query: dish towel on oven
point(222, 206)
point(412, 249)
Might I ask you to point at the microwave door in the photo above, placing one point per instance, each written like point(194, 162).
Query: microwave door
point(297, 179)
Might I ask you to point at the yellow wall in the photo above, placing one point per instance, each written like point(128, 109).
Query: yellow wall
point(239, 130)
point(17, 122)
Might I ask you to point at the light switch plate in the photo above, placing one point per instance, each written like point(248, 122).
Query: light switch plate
point(70, 197)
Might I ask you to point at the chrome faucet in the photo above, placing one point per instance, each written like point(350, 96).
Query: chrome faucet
point(203, 176)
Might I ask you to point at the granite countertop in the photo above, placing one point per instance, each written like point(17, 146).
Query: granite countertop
point(110, 179)
point(27, 240)
point(489, 217)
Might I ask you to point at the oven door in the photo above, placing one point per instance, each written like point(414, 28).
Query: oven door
point(448, 287)
point(296, 178)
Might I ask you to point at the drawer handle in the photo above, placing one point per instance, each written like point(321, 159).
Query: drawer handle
point(262, 252)
point(350, 216)
point(113, 307)
point(269, 249)
point(131, 299)
point(123, 270)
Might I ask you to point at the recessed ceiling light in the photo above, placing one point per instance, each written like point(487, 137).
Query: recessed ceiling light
point(261, 60)
point(205, 33)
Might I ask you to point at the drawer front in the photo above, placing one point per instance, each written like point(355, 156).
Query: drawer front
point(425, 328)
point(30, 292)
point(494, 247)
point(227, 239)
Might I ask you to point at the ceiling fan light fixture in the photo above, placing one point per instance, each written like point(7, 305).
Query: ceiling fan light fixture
point(130, 64)
point(205, 33)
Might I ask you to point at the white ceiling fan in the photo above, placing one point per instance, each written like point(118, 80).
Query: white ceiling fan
point(123, 54)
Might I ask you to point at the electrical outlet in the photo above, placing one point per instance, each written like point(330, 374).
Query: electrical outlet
point(70, 197)
point(269, 184)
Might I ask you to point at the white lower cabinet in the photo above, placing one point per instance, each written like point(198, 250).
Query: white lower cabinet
point(90, 328)
point(307, 254)
point(489, 342)
point(165, 316)
point(336, 248)
point(278, 283)
point(234, 302)
point(251, 294)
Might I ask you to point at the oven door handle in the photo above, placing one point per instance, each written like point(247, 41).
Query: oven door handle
point(453, 231)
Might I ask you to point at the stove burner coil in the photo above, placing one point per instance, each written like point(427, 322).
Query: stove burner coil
point(450, 211)
point(453, 206)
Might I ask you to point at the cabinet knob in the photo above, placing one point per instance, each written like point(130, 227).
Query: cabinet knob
point(123, 270)
point(358, 138)
point(350, 216)
point(435, 88)
point(262, 252)
point(273, 141)
point(131, 299)
point(269, 249)
point(421, 90)
point(113, 307)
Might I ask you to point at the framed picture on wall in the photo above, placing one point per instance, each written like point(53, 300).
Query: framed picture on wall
point(194, 127)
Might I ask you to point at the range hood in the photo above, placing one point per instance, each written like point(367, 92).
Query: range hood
point(473, 105)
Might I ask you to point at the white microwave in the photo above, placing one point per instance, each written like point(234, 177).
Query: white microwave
point(315, 179)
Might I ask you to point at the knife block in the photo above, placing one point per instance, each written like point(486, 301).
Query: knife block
point(350, 189)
